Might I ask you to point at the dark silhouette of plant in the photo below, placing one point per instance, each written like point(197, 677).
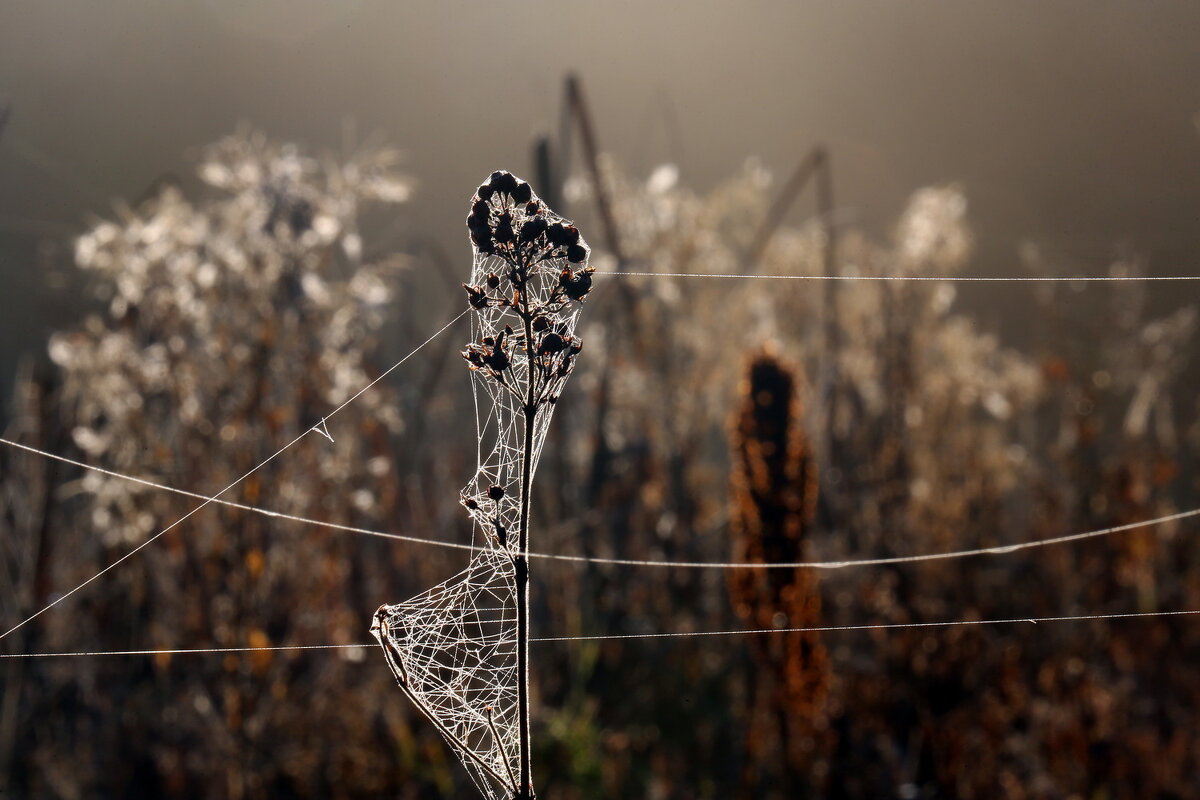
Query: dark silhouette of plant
point(772, 507)
point(529, 277)
point(233, 316)
point(231, 320)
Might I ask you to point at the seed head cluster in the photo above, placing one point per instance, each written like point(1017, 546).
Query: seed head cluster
point(529, 279)
point(537, 267)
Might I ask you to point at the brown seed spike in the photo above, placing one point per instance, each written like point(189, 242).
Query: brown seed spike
point(774, 497)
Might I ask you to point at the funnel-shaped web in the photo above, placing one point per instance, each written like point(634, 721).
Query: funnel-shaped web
point(454, 648)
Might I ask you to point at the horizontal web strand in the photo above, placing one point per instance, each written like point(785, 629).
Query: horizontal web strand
point(907, 278)
point(662, 635)
point(632, 562)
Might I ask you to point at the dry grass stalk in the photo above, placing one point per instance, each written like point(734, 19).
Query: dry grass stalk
point(774, 498)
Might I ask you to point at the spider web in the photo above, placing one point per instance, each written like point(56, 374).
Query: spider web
point(453, 648)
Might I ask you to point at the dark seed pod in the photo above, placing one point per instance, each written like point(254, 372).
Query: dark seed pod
point(522, 193)
point(576, 287)
point(504, 234)
point(576, 254)
point(487, 247)
point(497, 359)
point(533, 229)
point(484, 193)
point(475, 296)
point(493, 280)
point(496, 492)
point(474, 223)
point(540, 324)
point(533, 208)
point(470, 503)
point(572, 234)
point(556, 234)
point(551, 343)
point(504, 182)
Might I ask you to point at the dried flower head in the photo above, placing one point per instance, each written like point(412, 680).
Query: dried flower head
point(530, 273)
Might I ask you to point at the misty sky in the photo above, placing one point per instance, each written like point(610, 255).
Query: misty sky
point(1070, 123)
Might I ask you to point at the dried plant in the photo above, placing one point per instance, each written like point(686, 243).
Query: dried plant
point(950, 437)
point(462, 661)
point(231, 322)
point(772, 509)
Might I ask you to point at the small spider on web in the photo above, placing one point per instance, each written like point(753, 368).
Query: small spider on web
point(459, 651)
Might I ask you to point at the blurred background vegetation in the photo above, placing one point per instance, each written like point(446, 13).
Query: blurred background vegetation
point(248, 283)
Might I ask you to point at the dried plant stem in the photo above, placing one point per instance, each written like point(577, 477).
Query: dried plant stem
point(577, 104)
point(773, 503)
point(521, 564)
point(529, 269)
point(833, 330)
point(512, 779)
point(576, 108)
point(813, 164)
point(816, 167)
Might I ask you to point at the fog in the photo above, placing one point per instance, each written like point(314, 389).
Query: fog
point(1070, 124)
point(964, 458)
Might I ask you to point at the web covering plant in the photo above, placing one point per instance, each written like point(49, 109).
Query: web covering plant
point(459, 650)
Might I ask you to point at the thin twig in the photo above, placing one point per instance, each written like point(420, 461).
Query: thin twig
point(521, 562)
point(512, 786)
point(809, 166)
point(577, 104)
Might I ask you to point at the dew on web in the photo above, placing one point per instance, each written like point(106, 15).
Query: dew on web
point(454, 648)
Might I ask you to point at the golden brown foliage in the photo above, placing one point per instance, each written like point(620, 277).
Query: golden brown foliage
point(773, 506)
